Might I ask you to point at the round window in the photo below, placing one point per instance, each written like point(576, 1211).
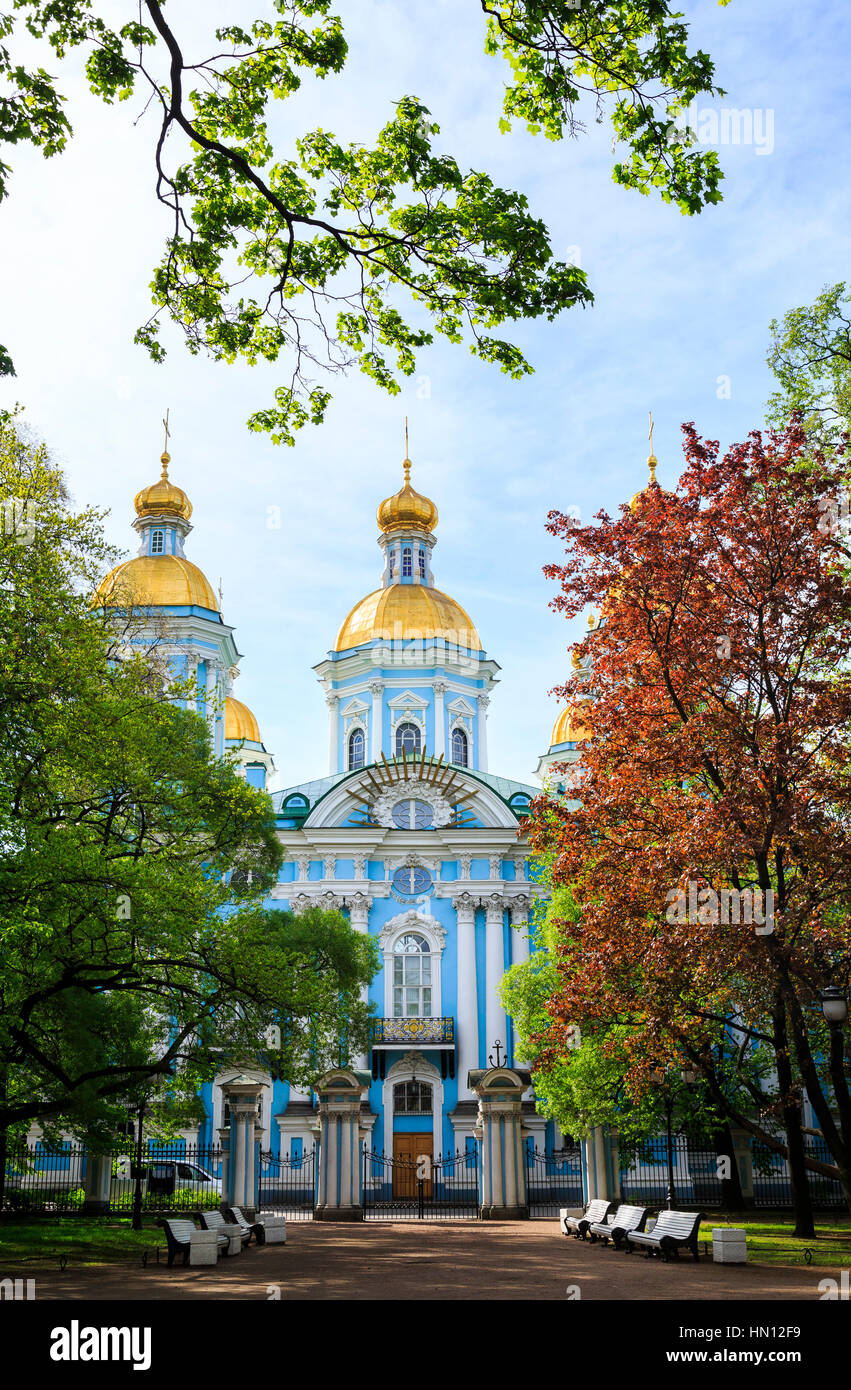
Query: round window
point(413, 815)
point(411, 883)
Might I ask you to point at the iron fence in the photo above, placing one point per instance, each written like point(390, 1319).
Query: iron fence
point(424, 1189)
point(772, 1183)
point(45, 1180)
point(553, 1180)
point(287, 1185)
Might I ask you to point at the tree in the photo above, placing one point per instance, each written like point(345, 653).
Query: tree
point(810, 355)
point(133, 864)
point(719, 761)
point(307, 255)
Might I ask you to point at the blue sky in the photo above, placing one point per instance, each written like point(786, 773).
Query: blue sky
point(680, 303)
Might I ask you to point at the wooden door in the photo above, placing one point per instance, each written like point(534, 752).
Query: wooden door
point(407, 1149)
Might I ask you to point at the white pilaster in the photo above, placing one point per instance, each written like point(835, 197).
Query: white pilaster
point(376, 690)
point(359, 918)
point(439, 688)
point(484, 701)
point(494, 971)
point(332, 702)
point(467, 1042)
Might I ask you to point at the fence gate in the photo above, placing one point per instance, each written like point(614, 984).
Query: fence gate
point(553, 1180)
point(286, 1186)
point(421, 1189)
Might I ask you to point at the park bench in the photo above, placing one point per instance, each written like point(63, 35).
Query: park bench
point(576, 1226)
point(673, 1230)
point(214, 1221)
point(625, 1219)
point(178, 1234)
point(271, 1230)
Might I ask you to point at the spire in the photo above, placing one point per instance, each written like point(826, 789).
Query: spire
point(651, 457)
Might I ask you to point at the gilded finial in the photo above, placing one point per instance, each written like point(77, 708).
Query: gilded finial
point(165, 456)
point(406, 462)
point(592, 621)
point(651, 457)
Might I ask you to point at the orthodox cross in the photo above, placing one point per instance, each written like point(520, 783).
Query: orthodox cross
point(167, 433)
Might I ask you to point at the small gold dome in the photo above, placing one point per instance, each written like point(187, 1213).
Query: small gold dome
point(163, 496)
point(407, 508)
point(652, 461)
point(240, 722)
point(404, 611)
point(156, 581)
point(569, 727)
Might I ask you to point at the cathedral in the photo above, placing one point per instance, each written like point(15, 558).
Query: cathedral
point(405, 829)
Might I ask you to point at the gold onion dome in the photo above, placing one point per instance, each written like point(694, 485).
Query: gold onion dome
point(652, 462)
point(156, 581)
point(570, 727)
point(163, 496)
point(240, 721)
point(404, 611)
point(407, 508)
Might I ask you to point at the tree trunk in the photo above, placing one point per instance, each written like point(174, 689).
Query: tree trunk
point(732, 1197)
point(801, 1196)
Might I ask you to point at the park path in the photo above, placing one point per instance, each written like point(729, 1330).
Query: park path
point(427, 1261)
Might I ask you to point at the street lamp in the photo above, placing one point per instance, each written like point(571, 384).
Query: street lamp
point(834, 1006)
point(659, 1077)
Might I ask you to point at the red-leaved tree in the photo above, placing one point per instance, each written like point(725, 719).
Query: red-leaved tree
point(719, 760)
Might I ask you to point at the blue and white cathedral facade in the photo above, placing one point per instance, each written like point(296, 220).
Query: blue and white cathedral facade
point(408, 832)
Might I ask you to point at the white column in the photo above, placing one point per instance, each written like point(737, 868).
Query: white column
point(439, 688)
point(484, 701)
point(494, 971)
point(519, 908)
point(376, 690)
point(467, 1042)
point(238, 1159)
point(333, 759)
point(359, 918)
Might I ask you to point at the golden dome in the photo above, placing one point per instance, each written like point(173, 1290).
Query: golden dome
point(163, 496)
point(156, 581)
point(652, 461)
point(407, 508)
point(569, 727)
point(407, 610)
point(240, 722)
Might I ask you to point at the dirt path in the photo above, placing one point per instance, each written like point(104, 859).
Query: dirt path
point(426, 1262)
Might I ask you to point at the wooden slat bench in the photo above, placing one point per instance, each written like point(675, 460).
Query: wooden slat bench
point(214, 1221)
point(267, 1229)
point(177, 1235)
point(576, 1226)
point(625, 1219)
point(673, 1230)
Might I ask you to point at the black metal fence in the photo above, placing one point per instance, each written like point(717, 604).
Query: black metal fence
point(287, 1185)
point(39, 1179)
point(773, 1188)
point(424, 1189)
point(694, 1166)
point(553, 1180)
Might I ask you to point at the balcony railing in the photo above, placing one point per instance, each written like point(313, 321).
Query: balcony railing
point(439, 1031)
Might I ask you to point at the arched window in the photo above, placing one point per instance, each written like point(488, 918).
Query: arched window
point(357, 749)
point(411, 977)
point(412, 1098)
point(421, 562)
point(459, 747)
point(407, 562)
point(407, 739)
point(157, 542)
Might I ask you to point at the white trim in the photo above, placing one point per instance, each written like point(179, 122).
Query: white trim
point(435, 935)
point(414, 1067)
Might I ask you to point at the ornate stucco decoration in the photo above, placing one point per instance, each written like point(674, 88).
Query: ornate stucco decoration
point(411, 921)
point(382, 807)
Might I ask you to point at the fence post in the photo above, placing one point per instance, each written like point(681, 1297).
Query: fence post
point(504, 1195)
point(340, 1197)
point(599, 1169)
point(98, 1181)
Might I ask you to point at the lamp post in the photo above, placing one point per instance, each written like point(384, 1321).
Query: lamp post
point(834, 1006)
point(660, 1075)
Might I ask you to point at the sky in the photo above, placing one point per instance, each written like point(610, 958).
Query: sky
point(679, 326)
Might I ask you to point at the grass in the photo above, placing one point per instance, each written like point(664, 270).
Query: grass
point(771, 1242)
point(85, 1240)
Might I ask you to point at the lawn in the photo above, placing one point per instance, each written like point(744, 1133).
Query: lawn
point(85, 1240)
point(770, 1240)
